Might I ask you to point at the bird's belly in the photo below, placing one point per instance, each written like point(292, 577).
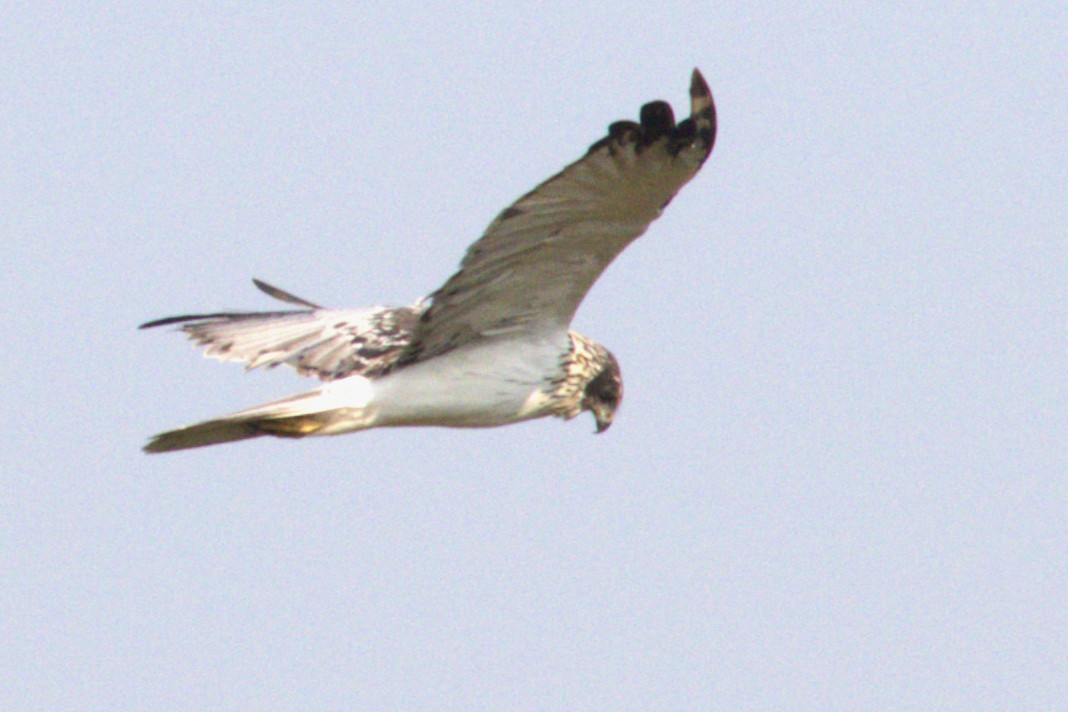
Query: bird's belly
point(459, 392)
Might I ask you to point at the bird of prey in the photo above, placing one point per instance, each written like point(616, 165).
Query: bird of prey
point(491, 346)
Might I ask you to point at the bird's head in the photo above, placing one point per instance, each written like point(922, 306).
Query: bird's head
point(604, 392)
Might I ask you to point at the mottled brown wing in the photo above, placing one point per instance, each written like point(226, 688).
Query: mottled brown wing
point(535, 263)
point(325, 343)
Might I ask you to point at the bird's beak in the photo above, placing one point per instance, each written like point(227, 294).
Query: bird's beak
point(604, 421)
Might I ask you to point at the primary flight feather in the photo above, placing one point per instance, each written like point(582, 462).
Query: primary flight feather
point(492, 345)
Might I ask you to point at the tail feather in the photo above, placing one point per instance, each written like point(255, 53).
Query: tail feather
point(211, 432)
point(338, 407)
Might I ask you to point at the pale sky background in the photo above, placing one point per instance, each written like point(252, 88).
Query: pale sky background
point(838, 479)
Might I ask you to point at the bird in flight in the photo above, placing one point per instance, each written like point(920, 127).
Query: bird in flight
point(491, 346)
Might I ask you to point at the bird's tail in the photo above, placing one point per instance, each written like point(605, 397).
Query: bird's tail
point(338, 407)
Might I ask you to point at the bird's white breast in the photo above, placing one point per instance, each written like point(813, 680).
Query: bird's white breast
point(480, 385)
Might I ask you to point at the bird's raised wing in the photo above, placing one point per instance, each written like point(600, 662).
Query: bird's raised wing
point(537, 260)
point(326, 343)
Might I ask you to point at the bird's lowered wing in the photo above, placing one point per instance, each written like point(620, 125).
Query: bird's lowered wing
point(326, 343)
point(537, 260)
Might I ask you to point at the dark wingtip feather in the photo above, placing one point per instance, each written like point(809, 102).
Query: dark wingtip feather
point(183, 318)
point(657, 119)
point(700, 94)
point(282, 295)
point(703, 109)
point(175, 320)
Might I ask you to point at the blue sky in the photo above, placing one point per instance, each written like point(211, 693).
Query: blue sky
point(838, 477)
